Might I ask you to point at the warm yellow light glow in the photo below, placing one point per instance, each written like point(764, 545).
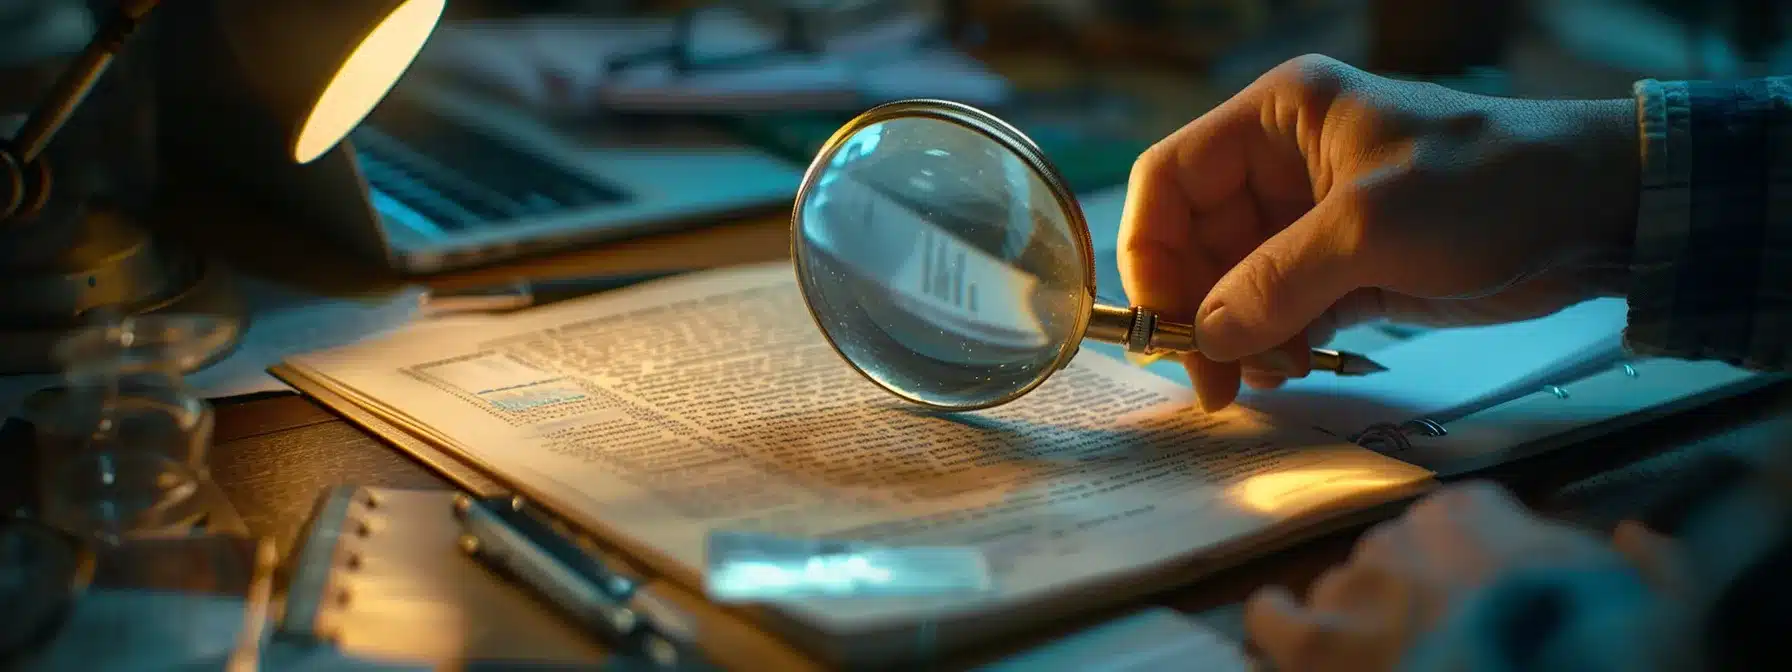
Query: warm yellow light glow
point(1142, 360)
point(1290, 492)
point(366, 77)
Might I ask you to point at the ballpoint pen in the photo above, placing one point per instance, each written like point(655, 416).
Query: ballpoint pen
point(526, 293)
point(1338, 362)
point(1344, 363)
point(506, 535)
point(1148, 338)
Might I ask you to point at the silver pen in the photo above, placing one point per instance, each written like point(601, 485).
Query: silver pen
point(1344, 363)
point(1338, 362)
point(504, 534)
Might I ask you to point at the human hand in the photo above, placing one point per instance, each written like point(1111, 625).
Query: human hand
point(1322, 195)
point(1654, 555)
point(1407, 574)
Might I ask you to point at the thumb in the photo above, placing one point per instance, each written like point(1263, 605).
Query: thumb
point(1280, 288)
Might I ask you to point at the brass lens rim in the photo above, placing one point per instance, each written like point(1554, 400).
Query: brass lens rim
point(1010, 138)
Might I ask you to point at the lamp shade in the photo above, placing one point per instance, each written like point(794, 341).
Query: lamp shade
point(322, 65)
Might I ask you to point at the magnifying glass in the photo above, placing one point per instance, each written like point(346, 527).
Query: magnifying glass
point(944, 258)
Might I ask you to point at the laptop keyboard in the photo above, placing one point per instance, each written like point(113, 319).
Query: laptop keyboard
point(461, 177)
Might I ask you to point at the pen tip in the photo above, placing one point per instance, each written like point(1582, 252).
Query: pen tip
point(1358, 365)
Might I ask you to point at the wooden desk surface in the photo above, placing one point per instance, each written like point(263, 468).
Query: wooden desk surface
point(275, 455)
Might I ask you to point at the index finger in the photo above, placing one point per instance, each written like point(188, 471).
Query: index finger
point(1192, 170)
point(1184, 224)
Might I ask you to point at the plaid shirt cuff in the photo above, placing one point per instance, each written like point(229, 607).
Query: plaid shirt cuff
point(1711, 274)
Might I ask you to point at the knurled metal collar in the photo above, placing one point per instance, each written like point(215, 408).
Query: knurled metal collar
point(1138, 339)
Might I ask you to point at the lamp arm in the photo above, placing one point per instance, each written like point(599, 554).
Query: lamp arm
point(72, 87)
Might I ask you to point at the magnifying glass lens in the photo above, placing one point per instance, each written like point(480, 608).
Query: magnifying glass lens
point(939, 263)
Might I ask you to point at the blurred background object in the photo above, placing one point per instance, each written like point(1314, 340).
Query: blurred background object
point(610, 81)
point(1673, 39)
point(36, 30)
point(765, 55)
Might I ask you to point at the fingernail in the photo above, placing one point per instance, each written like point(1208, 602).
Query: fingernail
point(1216, 334)
point(1210, 318)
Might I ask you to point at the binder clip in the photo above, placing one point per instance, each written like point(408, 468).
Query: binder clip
point(1397, 436)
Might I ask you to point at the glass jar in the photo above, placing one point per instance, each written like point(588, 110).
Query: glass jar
point(122, 442)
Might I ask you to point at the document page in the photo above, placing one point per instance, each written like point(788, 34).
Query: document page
point(711, 403)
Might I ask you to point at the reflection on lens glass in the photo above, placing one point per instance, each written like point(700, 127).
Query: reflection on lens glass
point(939, 263)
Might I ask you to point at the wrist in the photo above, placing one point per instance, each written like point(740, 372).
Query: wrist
point(1609, 156)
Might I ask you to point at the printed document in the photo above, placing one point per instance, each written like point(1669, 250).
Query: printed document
point(711, 402)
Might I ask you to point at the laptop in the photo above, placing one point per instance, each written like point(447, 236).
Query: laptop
point(442, 177)
point(453, 179)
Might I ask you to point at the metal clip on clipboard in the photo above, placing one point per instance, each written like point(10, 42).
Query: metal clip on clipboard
point(507, 535)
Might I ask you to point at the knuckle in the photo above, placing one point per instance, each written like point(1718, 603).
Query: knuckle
point(1154, 162)
point(1329, 590)
point(1377, 541)
point(1262, 277)
point(1315, 69)
point(1318, 77)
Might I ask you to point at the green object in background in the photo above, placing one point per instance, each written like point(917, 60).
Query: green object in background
point(1088, 162)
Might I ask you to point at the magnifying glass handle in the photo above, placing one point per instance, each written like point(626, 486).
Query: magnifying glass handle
point(1139, 329)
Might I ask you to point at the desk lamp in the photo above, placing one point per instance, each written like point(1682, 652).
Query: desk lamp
point(318, 66)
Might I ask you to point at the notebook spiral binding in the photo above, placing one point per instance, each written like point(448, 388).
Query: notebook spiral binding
point(1397, 436)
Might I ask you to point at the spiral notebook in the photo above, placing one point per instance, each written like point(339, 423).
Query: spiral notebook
point(653, 417)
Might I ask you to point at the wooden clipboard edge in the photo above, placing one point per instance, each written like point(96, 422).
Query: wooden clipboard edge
point(727, 637)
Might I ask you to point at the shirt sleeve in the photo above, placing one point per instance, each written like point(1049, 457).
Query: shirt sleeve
point(1711, 266)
